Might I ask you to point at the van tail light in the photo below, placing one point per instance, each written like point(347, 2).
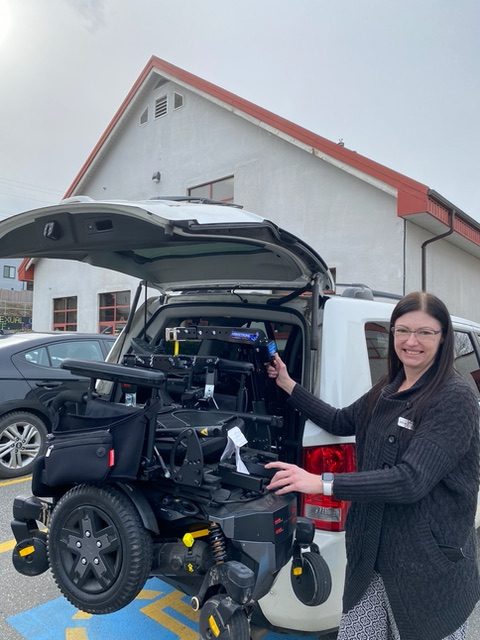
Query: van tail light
point(327, 512)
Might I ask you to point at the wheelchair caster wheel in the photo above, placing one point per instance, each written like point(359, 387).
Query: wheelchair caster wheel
point(313, 584)
point(215, 625)
point(30, 557)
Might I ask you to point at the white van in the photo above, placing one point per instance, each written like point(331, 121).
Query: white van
point(223, 273)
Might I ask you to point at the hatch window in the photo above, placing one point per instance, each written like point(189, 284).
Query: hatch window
point(376, 335)
point(466, 360)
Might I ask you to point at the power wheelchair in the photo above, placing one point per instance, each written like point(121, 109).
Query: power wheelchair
point(158, 488)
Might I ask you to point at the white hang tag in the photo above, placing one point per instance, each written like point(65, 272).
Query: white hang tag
point(235, 440)
point(405, 423)
point(237, 437)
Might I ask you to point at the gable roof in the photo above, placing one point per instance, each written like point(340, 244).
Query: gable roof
point(429, 208)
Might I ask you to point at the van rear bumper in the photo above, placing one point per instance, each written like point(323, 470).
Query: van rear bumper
point(283, 610)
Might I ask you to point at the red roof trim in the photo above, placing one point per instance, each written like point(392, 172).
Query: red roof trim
point(26, 273)
point(305, 136)
point(412, 196)
point(461, 226)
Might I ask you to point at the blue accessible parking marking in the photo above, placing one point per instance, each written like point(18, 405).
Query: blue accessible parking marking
point(159, 612)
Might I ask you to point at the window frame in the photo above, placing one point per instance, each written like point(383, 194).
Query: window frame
point(65, 324)
point(7, 271)
point(113, 327)
point(210, 186)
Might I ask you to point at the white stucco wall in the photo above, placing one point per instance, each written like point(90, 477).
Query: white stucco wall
point(60, 278)
point(339, 214)
point(451, 273)
point(350, 222)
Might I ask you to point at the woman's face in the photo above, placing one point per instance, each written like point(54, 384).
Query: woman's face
point(417, 351)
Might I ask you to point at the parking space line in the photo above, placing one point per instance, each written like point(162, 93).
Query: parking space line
point(6, 483)
point(82, 615)
point(76, 633)
point(7, 546)
point(173, 600)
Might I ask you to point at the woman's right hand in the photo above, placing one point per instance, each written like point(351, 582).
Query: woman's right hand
point(277, 370)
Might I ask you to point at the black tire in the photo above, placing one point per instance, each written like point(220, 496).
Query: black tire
point(314, 585)
point(237, 628)
point(35, 562)
point(22, 440)
point(99, 551)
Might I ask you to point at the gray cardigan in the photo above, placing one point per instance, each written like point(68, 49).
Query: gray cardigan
point(414, 500)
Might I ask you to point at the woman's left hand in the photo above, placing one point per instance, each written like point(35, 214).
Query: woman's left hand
point(289, 478)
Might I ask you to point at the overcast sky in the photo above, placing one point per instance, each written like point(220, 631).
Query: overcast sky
point(397, 80)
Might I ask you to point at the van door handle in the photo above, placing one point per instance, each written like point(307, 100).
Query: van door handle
point(48, 385)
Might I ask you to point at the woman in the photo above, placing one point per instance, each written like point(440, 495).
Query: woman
point(411, 546)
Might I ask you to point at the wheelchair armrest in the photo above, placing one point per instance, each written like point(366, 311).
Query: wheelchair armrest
point(115, 372)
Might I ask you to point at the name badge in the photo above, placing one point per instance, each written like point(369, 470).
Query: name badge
point(405, 423)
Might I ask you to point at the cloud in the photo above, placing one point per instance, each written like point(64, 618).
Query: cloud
point(92, 13)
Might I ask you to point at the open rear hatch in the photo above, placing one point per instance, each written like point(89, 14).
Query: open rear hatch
point(171, 245)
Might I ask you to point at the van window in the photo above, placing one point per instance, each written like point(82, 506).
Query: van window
point(376, 335)
point(466, 361)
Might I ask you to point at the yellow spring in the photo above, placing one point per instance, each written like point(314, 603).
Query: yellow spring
point(217, 543)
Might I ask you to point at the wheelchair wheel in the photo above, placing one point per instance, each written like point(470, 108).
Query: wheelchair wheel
point(100, 553)
point(35, 561)
point(211, 626)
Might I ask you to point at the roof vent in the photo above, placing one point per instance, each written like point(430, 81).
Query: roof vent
point(161, 107)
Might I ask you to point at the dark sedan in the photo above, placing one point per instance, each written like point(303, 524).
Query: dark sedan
point(30, 377)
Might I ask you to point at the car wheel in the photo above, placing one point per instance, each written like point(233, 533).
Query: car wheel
point(22, 440)
point(100, 553)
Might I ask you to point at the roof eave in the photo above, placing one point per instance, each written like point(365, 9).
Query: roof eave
point(413, 197)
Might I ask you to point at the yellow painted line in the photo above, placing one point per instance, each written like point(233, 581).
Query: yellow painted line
point(82, 615)
point(6, 483)
point(173, 600)
point(7, 546)
point(148, 594)
point(76, 633)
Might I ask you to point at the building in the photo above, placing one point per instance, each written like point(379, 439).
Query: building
point(177, 134)
point(15, 298)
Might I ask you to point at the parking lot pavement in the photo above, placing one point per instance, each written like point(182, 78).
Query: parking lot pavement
point(31, 608)
point(159, 612)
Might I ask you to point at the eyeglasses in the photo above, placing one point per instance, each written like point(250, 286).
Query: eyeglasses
point(422, 335)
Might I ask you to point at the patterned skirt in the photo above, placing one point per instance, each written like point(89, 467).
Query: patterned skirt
point(372, 618)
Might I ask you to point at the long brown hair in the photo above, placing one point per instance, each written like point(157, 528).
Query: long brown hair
point(442, 367)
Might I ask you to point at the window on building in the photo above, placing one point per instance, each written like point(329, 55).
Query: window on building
point(9, 272)
point(144, 117)
point(161, 105)
point(220, 190)
point(113, 310)
point(65, 314)
point(177, 100)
